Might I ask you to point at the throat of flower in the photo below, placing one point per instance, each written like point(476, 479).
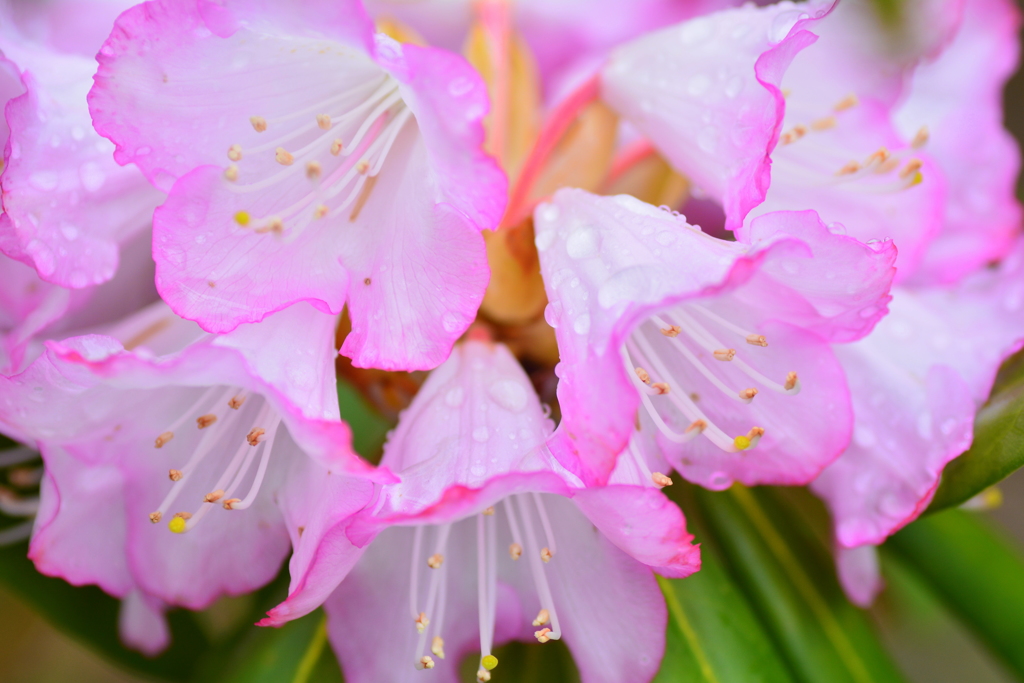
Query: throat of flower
point(682, 337)
point(339, 144)
point(217, 414)
point(428, 615)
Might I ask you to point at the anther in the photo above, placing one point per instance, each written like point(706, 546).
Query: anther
point(229, 504)
point(660, 480)
point(890, 164)
point(320, 211)
point(543, 617)
point(426, 662)
point(483, 675)
point(255, 436)
point(671, 331)
point(204, 421)
point(913, 166)
point(515, 551)
point(794, 134)
point(422, 622)
point(162, 440)
point(235, 152)
point(437, 647)
point(791, 380)
point(243, 218)
point(174, 475)
point(748, 393)
point(724, 354)
point(258, 123)
point(920, 138)
point(661, 387)
point(363, 166)
point(877, 157)
point(849, 168)
point(324, 121)
point(236, 402)
point(435, 561)
point(755, 433)
point(847, 102)
point(274, 225)
point(757, 340)
point(214, 496)
point(545, 554)
point(336, 147)
point(283, 156)
point(642, 374)
point(155, 517)
point(313, 170)
point(700, 425)
point(231, 173)
point(489, 511)
point(542, 635)
point(824, 124)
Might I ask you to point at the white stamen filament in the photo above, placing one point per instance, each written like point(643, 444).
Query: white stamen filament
point(414, 572)
point(545, 522)
point(537, 568)
point(434, 589)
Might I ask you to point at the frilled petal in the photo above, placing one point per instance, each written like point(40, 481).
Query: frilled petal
point(74, 26)
point(67, 204)
point(958, 97)
point(859, 573)
point(142, 625)
point(707, 94)
point(370, 189)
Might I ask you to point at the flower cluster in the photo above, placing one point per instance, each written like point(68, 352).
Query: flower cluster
point(200, 218)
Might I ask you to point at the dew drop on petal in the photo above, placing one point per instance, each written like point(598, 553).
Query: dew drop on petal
point(509, 394)
point(582, 324)
point(583, 242)
point(449, 322)
point(454, 397)
point(43, 181)
point(481, 434)
point(552, 313)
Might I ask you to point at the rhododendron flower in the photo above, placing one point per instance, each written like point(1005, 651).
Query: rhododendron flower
point(787, 107)
point(141, 439)
point(306, 160)
point(67, 205)
point(435, 581)
point(726, 346)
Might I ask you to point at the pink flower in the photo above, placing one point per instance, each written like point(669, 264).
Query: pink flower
point(307, 160)
point(725, 345)
point(243, 425)
point(67, 205)
point(476, 479)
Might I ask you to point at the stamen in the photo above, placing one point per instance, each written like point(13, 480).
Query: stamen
point(660, 388)
point(515, 551)
point(699, 425)
point(283, 157)
point(320, 211)
point(274, 225)
point(913, 166)
point(177, 523)
point(849, 169)
point(255, 436)
point(660, 480)
point(543, 635)
point(824, 124)
point(174, 475)
point(417, 546)
point(791, 381)
point(920, 138)
point(643, 375)
point(336, 147)
point(155, 517)
point(489, 511)
point(671, 331)
point(162, 440)
point(324, 121)
point(313, 170)
point(363, 166)
point(235, 152)
point(237, 401)
point(437, 647)
point(435, 561)
point(258, 123)
point(724, 354)
point(748, 394)
point(231, 173)
point(847, 102)
point(232, 503)
point(214, 496)
point(877, 157)
point(757, 340)
point(426, 662)
point(537, 569)
point(422, 622)
point(545, 554)
point(545, 523)
point(543, 617)
point(204, 421)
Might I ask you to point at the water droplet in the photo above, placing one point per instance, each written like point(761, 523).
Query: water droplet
point(454, 397)
point(552, 313)
point(695, 31)
point(544, 239)
point(44, 181)
point(665, 238)
point(460, 86)
point(92, 176)
point(481, 434)
point(707, 139)
point(719, 480)
point(733, 87)
point(449, 322)
point(548, 213)
point(69, 231)
point(698, 85)
point(582, 324)
point(508, 394)
point(584, 242)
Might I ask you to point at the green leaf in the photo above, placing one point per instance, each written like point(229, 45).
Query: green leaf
point(998, 448)
point(369, 428)
point(290, 654)
point(789, 579)
point(90, 616)
point(976, 571)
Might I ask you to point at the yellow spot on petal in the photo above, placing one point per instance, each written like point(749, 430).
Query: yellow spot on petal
point(243, 218)
point(489, 662)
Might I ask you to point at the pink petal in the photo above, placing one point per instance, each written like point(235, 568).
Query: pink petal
point(859, 573)
point(959, 98)
point(707, 94)
point(142, 624)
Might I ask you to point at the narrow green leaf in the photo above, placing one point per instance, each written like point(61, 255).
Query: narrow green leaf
point(369, 428)
point(998, 448)
point(90, 616)
point(977, 572)
point(788, 579)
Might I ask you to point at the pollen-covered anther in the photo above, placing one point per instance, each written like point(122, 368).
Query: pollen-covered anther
point(483, 675)
point(421, 622)
point(661, 387)
point(848, 102)
point(748, 393)
point(543, 617)
point(274, 225)
point(324, 121)
point(791, 380)
point(542, 635)
point(671, 330)
point(879, 156)
point(824, 123)
point(230, 503)
point(660, 480)
point(236, 402)
point(231, 173)
point(174, 475)
point(437, 647)
point(204, 421)
point(699, 425)
point(162, 440)
point(920, 138)
point(887, 166)
point(336, 147)
point(235, 152)
point(643, 375)
point(546, 554)
point(515, 551)
point(155, 517)
point(489, 511)
point(313, 170)
point(435, 561)
point(724, 354)
point(757, 340)
point(259, 123)
point(283, 157)
point(912, 167)
point(213, 496)
point(255, 435)
point(849, 169)
point(363, 166)
point(426, 662)
point(755, 433)
point(794, 134)
point(320, 211)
